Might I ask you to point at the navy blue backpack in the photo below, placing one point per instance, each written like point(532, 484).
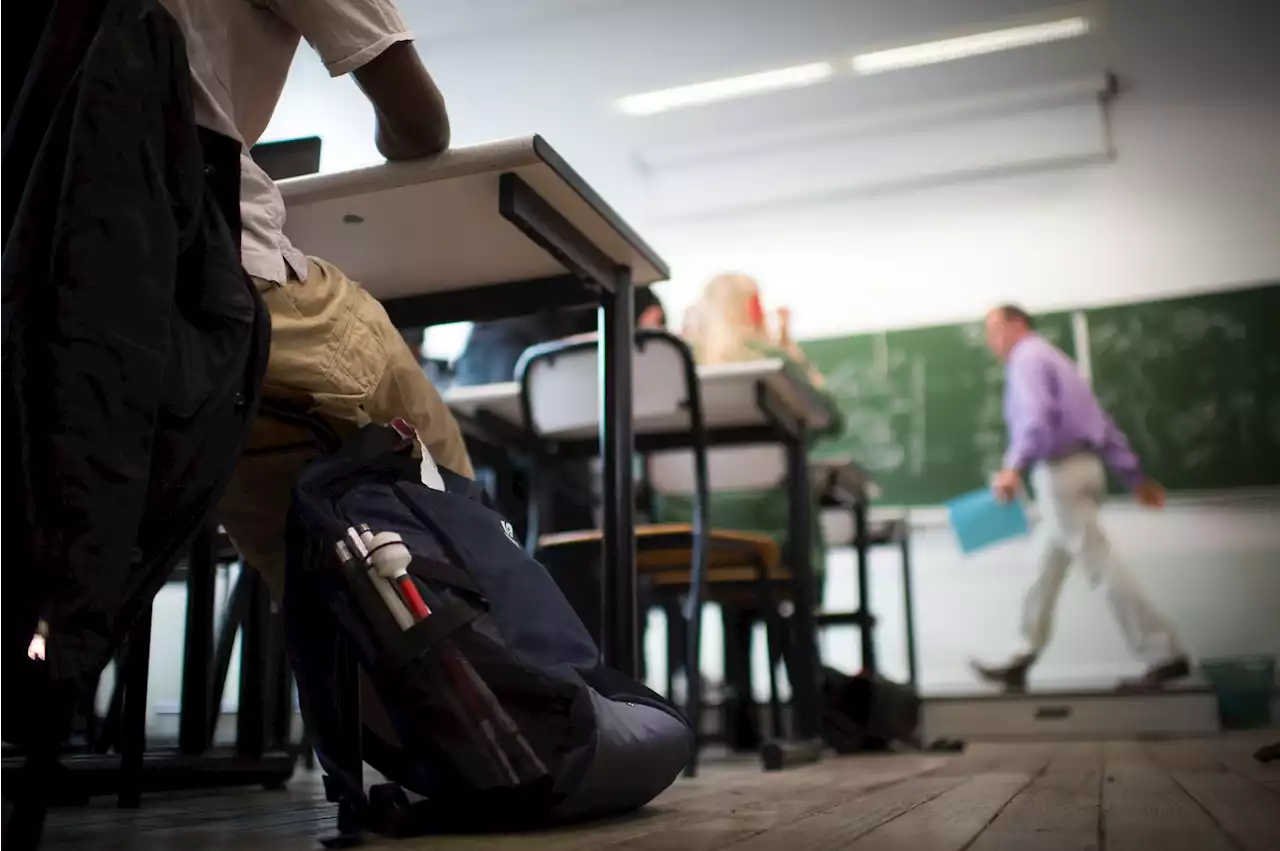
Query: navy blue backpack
point(464, 677)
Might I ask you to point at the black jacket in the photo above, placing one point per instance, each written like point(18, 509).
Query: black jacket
point(133, 343)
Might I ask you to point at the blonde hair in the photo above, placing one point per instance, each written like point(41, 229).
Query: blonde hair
point(719, 326)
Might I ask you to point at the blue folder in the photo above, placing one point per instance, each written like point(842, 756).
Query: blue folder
point(980, 520)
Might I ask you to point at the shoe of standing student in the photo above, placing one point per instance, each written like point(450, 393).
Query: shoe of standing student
point(1011, 677)
point(1159, 676)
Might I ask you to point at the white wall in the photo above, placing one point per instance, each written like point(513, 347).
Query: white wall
point(1190, 202)
point(1213, 571)
point(1183, 207)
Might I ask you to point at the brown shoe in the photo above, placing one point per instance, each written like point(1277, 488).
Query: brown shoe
point(1159, 676)
point(1011, 677)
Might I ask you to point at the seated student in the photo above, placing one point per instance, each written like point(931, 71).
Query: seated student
point(728, 324)
point(333, 348)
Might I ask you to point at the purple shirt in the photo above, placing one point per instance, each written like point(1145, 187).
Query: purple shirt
point(1051, 412)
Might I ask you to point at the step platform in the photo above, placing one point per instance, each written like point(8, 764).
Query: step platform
point(1077, 713)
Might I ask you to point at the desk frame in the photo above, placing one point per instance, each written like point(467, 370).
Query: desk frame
point(864, 538)
point(592, 278)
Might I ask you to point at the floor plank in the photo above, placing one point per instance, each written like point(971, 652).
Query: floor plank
point(1198, 755)
point(948, 822)
point(1246, 811)
point(738, 827)
point(1144, 809)
point(1236, 754)
point(250, 812)
point(758, 800)
point(1204, 795)
point(836, 827)
point(981, 757)
point(1058, 811)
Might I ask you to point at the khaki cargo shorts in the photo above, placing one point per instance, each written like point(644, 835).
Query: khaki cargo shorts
point(334, 351)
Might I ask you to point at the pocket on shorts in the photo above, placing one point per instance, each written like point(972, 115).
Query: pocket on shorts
point(361, 358)
point(325, 339)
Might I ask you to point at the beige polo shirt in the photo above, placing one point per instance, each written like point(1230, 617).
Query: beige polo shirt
point(240, 52)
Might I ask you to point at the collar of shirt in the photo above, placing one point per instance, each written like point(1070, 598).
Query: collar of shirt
point(1024, 345)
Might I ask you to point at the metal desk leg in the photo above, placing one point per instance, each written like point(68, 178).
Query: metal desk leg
point(282, 693)
point(24, 824)
point(236, 613)
point(347, 753)
point(197, 652)
point(617, 448)
point(133, 733)
point(908, 605)
point(773, 646)
point(862, 548)
point(250, 717)
point(806, 746)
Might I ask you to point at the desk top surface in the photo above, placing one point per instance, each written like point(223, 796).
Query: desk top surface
point(728, 398)
point(430, 226)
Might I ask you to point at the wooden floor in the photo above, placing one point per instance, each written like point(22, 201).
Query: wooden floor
point(1198, 795)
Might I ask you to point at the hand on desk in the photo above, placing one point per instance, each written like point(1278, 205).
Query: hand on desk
point(1006, 485)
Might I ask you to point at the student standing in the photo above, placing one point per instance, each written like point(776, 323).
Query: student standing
point(1062, 438)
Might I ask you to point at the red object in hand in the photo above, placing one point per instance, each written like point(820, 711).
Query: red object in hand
point(755, 310)
point(413, 599)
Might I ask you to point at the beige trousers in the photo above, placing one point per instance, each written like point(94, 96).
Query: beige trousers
point(335, 351)
point(1068, 495)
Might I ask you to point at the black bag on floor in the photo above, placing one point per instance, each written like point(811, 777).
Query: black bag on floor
point(497, 707)
point(864, 713)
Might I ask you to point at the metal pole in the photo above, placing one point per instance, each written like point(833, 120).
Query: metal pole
point(808, 722)
point(908, 603)
point(197, 657)
point(862, 546)
point(133, 732)
point(617, 448)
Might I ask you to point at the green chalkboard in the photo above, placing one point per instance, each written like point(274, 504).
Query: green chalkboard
point(922, 407)
point(1195, 384)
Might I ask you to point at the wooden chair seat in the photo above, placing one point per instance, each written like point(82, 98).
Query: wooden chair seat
point(669, 545)
point(742, 574)
point(664, 554)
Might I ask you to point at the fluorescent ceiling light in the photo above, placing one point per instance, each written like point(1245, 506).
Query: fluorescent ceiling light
point(728, 88)
point(977, 44)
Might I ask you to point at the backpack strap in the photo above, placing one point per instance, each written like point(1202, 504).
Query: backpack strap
point(425, 634)
point(445, 573)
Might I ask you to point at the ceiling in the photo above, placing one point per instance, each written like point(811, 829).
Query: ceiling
point(435, 20)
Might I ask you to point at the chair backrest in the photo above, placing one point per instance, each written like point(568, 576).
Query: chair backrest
point(560, 400)
point(729, 468)
point(560, 388)
point(288, 157)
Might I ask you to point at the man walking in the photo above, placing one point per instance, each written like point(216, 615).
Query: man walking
point(1059, 434)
